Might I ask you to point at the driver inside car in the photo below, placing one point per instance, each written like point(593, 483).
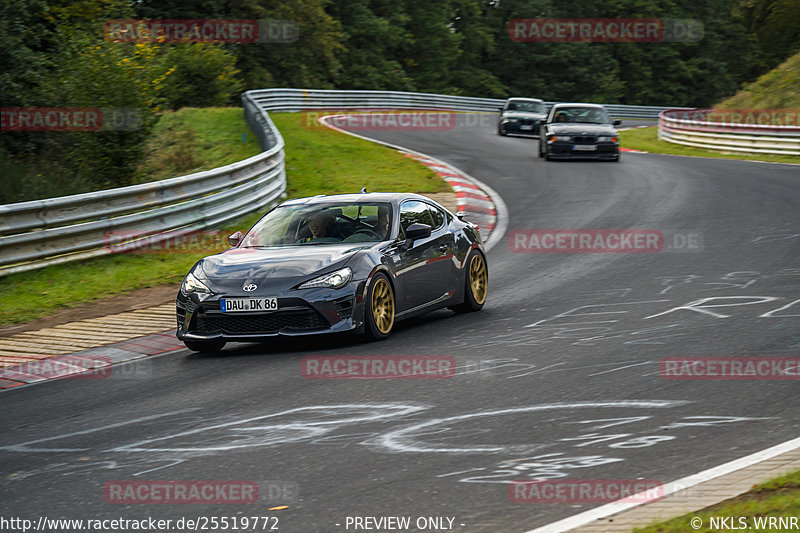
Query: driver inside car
point(318, 224)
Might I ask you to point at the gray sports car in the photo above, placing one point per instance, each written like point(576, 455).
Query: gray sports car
point(350, 262)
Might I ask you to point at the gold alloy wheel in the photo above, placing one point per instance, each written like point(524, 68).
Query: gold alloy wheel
point(383, 306)
point(478, 278)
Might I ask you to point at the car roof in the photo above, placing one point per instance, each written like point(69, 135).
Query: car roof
point(525, 99)
point(385, 197)
point(579, 104)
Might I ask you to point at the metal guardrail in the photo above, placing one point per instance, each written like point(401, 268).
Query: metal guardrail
point(56, 230)
point(330, 99)
point(674, 127)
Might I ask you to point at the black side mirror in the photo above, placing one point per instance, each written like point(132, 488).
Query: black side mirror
point(418, 231)
point(617, 122)
point(235, 238)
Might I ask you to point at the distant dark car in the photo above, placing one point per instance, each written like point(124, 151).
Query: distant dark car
point(350, 262)
point(579, 131)
point(521, 116)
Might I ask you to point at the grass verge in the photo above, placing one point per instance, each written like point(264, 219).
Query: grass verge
point(318, 161)
point(779, 497)
point(646, 139)
point(775, 89)
point(191, 139)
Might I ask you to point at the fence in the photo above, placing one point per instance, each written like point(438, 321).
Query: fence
point(319, 99)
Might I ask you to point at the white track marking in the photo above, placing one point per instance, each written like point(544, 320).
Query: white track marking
point(613, 508)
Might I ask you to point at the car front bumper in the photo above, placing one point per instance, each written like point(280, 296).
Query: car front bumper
point(300, 312)
point(566, 150)
point(520, 128)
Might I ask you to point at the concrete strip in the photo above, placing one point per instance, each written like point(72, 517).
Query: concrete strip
point(685, 495)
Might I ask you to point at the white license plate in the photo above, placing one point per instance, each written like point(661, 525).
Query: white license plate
point(241, 305)
point(526, 127)
point(584, 147)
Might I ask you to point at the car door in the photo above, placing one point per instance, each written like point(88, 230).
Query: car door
point(423, 264)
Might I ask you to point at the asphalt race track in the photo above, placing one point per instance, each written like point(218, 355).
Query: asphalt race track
point(558, 376)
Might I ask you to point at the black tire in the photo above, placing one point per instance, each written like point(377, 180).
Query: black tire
point(540, 149)
point(205, 346)
point(379, 308)
point(476, 284)
point(501, 132)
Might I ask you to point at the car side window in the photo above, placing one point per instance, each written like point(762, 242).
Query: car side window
point(412, 212)
point(438, 217)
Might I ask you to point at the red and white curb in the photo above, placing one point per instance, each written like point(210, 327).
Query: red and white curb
point(110, 355)
point(482, 204)
point(471, 197)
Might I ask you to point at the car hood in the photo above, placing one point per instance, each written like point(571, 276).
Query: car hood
point(274, 267)
point(523, 115)
point(579, 129)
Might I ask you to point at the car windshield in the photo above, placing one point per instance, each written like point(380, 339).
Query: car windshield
point(321, 224)
point(525, 105)
point(582, 115)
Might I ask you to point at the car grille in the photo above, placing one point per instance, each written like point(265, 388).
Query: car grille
point(246, 324)
point(584, 139)
point(528, 122)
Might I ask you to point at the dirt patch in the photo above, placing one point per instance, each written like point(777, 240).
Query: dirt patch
point(138, 299)
point(448, 200)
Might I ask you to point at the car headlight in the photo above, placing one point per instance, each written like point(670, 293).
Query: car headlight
point(606, 139)
point(511, 119)
point(192, 284)
point(566, 138)
point(334, 280)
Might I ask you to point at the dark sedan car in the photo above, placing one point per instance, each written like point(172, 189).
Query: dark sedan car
point(521, 116)
point(579, 131)
point(351, 262)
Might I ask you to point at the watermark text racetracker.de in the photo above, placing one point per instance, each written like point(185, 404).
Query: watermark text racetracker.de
point(730, 368)
point(381, 119)
point(70, 366)
point(178, 492)
point(602, 241)
point(585, 490)
point(69, 119)
point(201, 30)
point(611, 30)
point(378, 367)
point(722, 118)
point(176, 241)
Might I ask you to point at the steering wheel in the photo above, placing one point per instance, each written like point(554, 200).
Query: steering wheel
point(368, 232)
